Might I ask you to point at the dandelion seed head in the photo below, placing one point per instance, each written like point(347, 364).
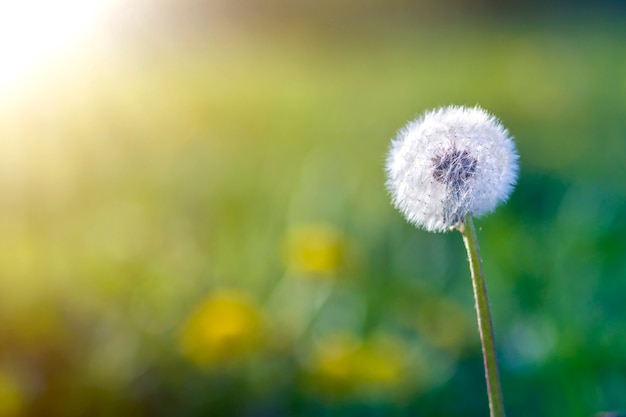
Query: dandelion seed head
point(448, 163)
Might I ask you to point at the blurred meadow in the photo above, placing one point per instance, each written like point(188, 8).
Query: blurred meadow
point(194, 222)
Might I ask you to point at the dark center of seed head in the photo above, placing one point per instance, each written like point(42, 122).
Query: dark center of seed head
point(454, 168)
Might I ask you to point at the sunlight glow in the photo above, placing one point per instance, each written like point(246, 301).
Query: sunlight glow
point(37, 33)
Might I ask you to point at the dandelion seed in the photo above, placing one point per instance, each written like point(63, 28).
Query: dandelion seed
point(448, 163)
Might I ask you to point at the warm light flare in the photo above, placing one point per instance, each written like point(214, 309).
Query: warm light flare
point(36, 33)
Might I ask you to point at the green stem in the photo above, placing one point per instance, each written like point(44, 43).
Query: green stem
point(485, 326)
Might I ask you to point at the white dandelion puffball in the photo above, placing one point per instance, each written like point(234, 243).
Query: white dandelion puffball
point(448, 163)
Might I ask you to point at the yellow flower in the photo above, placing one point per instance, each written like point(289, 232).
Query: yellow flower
point(225, 327)
point(343, 365)
point(11, 396)
point(317, 249)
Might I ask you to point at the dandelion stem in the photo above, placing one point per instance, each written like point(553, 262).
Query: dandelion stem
point(485, 325)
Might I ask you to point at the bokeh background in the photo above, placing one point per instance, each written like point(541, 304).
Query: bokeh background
point(193, 219)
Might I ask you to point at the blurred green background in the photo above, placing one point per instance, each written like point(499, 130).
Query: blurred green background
point(193, 218)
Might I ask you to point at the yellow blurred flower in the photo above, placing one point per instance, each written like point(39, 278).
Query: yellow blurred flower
point(11, 396)
point(225, 327)
point(343, 365)
point(317, 249)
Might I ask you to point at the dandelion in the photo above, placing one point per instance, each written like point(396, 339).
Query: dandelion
point(451, 162)
point(317, 249)
point(443, 168)
point(344, 365)
point(225, 327)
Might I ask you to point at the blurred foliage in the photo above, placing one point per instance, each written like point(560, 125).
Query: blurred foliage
point(168, 207)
